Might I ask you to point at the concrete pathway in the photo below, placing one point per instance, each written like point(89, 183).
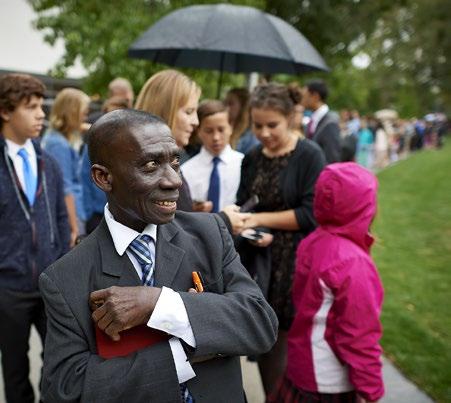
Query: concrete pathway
point(398, 388)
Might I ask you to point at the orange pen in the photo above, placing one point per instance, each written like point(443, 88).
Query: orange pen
point(197, 280)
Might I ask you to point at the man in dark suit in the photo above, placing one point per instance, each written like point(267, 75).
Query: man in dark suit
point(136, 162)
point(323, 127)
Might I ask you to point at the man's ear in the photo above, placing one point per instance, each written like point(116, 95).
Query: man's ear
point(316, 97)
point(102, 177)
point(5, 115)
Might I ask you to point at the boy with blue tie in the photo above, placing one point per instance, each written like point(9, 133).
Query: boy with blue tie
point(34, 230)
point(214, 174)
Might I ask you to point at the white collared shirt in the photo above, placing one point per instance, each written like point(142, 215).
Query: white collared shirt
point(13, 149)
point(170, 314)
point(318, 115)
point(198, 169)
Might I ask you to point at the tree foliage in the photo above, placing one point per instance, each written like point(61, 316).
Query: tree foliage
point(97, 33)
point(407, 41)
point(411, 51)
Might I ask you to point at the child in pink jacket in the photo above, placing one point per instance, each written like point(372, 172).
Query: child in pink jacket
point(333, 345)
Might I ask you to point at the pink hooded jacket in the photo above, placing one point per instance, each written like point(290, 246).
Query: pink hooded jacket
point(333, 344)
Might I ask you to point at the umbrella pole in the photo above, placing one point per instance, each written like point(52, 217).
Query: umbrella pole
point(218, 93)
point(221, 71)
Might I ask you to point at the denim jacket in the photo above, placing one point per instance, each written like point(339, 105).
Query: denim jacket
point(69, 162)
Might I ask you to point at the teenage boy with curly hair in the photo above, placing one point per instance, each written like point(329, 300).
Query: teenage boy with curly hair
point(34, 230)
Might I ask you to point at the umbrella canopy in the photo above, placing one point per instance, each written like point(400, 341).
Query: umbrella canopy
point(226, 37)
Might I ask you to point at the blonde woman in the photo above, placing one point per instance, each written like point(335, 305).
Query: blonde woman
point(60, 141)
point(174, 97)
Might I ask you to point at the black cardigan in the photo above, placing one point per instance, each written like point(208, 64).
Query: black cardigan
point(297, 181)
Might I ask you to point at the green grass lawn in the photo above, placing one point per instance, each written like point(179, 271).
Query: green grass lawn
point(413, 254)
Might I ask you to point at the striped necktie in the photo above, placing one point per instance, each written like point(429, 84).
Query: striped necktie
point(186, 396)
point(140, 247)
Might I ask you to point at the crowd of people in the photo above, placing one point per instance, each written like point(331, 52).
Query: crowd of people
point(283, 253)
point(380, 141)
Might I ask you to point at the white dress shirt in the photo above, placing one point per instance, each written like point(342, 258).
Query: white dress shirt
point(197, 171)
point(170, 314)
point(317, 116)
point(13, 149)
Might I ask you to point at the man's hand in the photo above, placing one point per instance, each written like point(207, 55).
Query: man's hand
point(203, 206)
point(119, 308)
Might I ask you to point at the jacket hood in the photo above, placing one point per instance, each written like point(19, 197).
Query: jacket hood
point(346, 201)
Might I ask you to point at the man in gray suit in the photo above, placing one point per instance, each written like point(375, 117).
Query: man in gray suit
point(136, 269)
point(323, 127)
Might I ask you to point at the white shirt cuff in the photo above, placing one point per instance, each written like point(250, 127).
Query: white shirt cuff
point(170, 316)
point(184, 369)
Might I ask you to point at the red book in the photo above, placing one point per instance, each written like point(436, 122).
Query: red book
point(131, 340)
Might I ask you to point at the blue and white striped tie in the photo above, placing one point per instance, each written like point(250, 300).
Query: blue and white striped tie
point(140, 248)
point(186, 396)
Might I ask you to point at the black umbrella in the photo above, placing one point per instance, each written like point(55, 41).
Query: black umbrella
point(225, 37)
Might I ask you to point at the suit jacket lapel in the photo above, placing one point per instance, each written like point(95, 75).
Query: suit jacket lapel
point(116, 270)
point(168, 256)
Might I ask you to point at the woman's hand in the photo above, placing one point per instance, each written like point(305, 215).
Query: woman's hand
point(237, 219)
point(265, 238)
point(73, 238)
point(252, 221)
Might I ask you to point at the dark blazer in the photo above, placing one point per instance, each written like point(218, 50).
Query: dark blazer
point(30, 238)
point(327, 135)
point(231, 318)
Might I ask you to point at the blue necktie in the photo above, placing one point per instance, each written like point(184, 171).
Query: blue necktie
point(214, 187)
point(140, 247)
point(30, 179)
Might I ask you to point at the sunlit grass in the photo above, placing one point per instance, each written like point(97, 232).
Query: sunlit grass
point(413, 254)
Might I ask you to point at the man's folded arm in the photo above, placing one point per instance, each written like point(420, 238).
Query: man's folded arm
point(170, 316)
point(238, 322)
point(72, 373)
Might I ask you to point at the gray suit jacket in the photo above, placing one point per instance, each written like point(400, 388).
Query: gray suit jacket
point(231, 318)
point(327, 135)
